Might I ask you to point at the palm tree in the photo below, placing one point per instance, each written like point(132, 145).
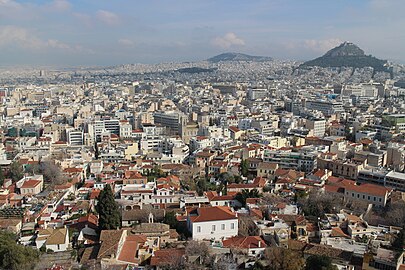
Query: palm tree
point(245, 194)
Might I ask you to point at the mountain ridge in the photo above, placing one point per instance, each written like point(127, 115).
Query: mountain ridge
point(232, 56)
point(347, 54)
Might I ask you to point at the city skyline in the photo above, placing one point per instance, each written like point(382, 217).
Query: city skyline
point(80, 33)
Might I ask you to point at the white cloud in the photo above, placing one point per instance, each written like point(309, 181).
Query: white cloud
point(321, 45)
point(13, 36)
point(126, 42)
point(84, 19)
point(228, 40)
point(17, 36)
point(108, 17)
point(59, 5)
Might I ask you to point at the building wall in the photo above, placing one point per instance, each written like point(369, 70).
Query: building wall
point(204, 230)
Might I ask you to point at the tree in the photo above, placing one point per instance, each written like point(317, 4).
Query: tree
point(317, 203)
point(107, 208)
point(170, 219)
point(197, 248)
point(399, 242)
point(16, 171)
point(52, 173)
point(244, 167)
point(96, 151)
point(1, 177)
point(283, 259)
point(319, 262)
point(245, 194)
point(33, 169)
point(15, 256)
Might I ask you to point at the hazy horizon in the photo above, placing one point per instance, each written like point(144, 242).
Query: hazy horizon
point(104, 33)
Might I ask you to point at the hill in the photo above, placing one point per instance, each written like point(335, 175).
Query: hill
point(347, 55)
point(238, 57)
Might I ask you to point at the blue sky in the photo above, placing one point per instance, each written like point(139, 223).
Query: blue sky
point(98, 32)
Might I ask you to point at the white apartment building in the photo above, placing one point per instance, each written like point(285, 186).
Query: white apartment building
point(75, 137)
point(317, 126)
point(217, 223)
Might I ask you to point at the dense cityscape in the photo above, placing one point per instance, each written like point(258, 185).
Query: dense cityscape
point(234, 162)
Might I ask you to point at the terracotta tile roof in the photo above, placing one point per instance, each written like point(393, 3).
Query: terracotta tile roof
point(58, 236)
point(252, 200)
point(170, 256)
point(242, 186)
point(204, 214)
point(338, 232)
point(234, 129)
point(31, 183)
point(245, 242)
point(94, 194)
point(256, 213)
point(351, 185)
point(130, 248)
point(109, 242)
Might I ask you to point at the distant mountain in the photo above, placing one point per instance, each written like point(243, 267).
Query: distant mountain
point(347, 54)
point(238, 57)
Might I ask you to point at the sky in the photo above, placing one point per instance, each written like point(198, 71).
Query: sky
point(68, 33)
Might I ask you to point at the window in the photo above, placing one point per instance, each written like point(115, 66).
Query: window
point(380, 200)
point(222, 226)
point(232, 226)
point(213, 228)
point(198, 228)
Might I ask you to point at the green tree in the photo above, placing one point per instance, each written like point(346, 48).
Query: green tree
point(319, 262)
point(96, 151)
point(107, 208)
point(245, 194)
point(399, 242)
point(244, 167)
point(15, 256)
point(33, 169)
point(170, 219)
point(16, 171)
point(2, 177)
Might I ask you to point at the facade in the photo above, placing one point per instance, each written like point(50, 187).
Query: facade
point(291, 160)
point(395, 180)
point(75, 137)
point(327, 107)
point(217, 222)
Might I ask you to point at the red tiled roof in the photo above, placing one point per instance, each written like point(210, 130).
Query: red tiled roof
point(130, 248)
point(244, 242)
point(31, 183)
point(212, 213)
point(94, 194)
point(170, 256)
point(234, 129)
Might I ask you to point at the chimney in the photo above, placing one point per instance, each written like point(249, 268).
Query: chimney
point(260, 244)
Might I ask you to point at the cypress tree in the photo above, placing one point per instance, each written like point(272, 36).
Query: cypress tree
point(108, 211)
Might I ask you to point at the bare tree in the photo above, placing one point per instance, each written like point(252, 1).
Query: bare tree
point(283, 259)
point(201, 250)
point(52, 173)
point(317, 203)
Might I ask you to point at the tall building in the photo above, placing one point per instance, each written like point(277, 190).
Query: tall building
point(327, 107)
point(75, 137)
